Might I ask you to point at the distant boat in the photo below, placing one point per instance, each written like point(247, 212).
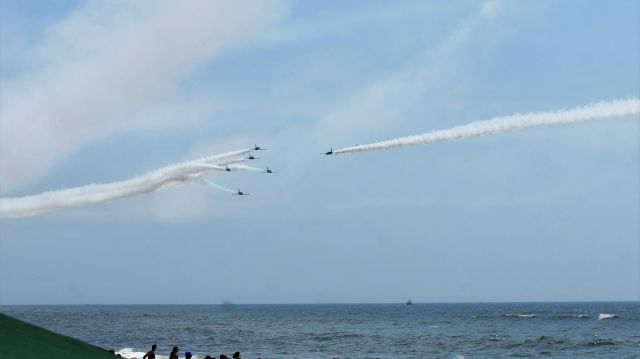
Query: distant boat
point(409, 302)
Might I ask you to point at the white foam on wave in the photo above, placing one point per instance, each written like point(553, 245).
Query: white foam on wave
point(518, 315)
point(607, 316)
point(130, 353)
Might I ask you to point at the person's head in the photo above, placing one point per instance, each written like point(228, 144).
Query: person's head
point(236, 355)
point(208, 357)
point(153, 347)
point(175, 350)
point(222, 356)
point(187, 355)
point(112, 351)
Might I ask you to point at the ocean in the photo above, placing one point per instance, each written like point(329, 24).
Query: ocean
point(483, 330)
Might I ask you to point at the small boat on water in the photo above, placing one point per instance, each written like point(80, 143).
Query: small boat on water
point(409, 302)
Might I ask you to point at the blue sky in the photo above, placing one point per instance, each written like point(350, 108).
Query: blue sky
point(97, 92)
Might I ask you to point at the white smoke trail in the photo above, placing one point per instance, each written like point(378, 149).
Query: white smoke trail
point(237, 167)
point(222, 156)
point(231, 162)
point(213, 167)
point(180, 173)
point(230, 166)
point(91, 52)
point(217, 186)
point(600, 110)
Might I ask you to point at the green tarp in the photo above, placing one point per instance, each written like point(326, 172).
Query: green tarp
point(23, 340)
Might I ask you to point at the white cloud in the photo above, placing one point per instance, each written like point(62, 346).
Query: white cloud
point(102, 65)
point(379, 105)
point(491, 7)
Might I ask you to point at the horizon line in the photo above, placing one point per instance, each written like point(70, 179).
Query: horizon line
point(228, 303)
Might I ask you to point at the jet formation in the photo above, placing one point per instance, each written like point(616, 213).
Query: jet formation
point(234, 164)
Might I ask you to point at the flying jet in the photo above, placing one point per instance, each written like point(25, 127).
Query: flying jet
point(330, 152)
point(228, 169)
point(240, 193)
point(269, 171)
point(258, 148)
point(252, 158)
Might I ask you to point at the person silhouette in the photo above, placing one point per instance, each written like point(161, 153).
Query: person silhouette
point(152, 353)
point(174, 353)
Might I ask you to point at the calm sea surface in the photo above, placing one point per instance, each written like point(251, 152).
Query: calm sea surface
point(526, 330)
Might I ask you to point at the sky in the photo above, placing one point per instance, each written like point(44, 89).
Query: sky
point(94, 91)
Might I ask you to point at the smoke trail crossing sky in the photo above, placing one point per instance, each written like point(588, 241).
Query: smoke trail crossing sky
point(238, 167)
point(217, 186)
point(180, 173)
point(597, 111)
point(216, 158)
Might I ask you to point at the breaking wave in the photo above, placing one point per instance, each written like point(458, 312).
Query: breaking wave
point(607, 316)
point(520, 316)
point(130, 353)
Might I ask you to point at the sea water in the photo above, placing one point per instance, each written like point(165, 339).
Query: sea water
point(527, 330)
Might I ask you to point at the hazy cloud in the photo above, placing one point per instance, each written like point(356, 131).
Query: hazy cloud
point(105, 62)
